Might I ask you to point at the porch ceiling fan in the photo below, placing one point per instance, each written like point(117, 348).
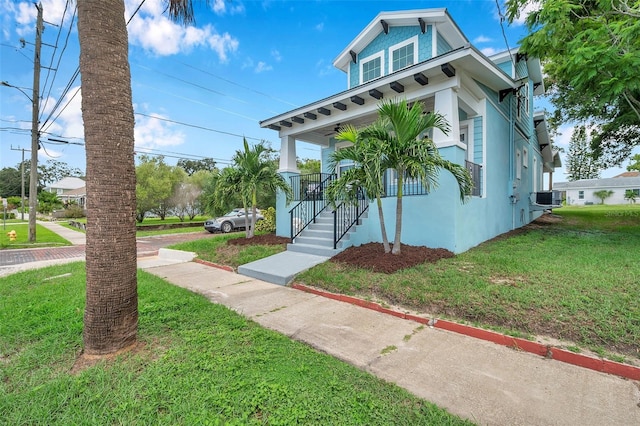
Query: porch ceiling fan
point(336, 129)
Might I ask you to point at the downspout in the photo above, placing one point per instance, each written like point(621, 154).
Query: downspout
point(512, 162)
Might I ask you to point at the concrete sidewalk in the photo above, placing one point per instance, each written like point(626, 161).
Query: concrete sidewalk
point(77, 238)
point(477, 380)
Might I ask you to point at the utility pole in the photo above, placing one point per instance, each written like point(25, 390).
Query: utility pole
point(21, 182)
point(33, 177)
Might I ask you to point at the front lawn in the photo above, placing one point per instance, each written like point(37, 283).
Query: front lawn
point(576, 279)
point(44, 237)
point(198, 363)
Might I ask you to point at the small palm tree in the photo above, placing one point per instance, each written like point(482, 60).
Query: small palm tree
point(252, 172)
point(367, 173)
point(412, 155)
point(630, 195)
point(603, 194)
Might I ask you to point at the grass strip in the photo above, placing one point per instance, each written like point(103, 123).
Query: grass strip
point(200, 363)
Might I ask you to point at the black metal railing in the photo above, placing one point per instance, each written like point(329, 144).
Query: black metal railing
point(409, 186)
point(303, 185)
point(475, 170)
point(310, 190)
point(346, 215)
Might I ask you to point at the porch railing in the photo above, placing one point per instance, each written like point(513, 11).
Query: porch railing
point(303, 185)
point(310, 190)
point(346, 215)
point(475, 170)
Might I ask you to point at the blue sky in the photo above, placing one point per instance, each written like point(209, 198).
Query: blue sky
point(198, 90)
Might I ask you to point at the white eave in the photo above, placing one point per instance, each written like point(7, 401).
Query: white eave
point(437, 17)
point(467, 59)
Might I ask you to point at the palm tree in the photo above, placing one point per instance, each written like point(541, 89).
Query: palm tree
point(367, 156)
point(252, 172)
point(412, 155)
point(111, 312)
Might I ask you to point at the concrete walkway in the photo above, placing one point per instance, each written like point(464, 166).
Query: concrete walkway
point(281, 268)
point(76, 238)
point(478, 380)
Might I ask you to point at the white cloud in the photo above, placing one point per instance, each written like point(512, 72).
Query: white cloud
point(262, 67)
point(531, 6)
point(153, 132)
point(220, 7)
point(488, 51)
point(320, 26)
point(24, 13)
point(164, 37)
point(275, 54)
point(324, 68)
point(482, 39)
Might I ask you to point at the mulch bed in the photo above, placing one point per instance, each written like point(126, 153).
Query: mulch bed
point(371, 256)
point(266, 239)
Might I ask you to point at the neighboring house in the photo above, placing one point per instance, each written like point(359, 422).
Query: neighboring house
point(581, 192)
point(422, 55)
point(70, 189)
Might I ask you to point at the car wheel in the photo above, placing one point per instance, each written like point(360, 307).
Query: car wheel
point(226, 227)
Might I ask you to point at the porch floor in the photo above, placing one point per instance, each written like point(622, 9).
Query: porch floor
point(281, 268)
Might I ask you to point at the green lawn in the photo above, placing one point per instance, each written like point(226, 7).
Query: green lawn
point(217, 251)
point(200, 363)
point(44, 237)
point(577, 280)
point(144, 233)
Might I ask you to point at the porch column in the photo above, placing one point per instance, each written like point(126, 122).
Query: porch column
point(288, 155)
point(446, 104)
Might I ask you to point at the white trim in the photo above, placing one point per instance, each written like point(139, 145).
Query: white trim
point(369, 59)
point(400, 45)
point(469, 144)
point(518, 165)
point(525, 157)
point(434, 41)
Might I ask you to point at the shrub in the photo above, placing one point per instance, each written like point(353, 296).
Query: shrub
point(268, 224)
point(73, 212)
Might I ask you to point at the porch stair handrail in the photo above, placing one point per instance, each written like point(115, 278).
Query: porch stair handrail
point(346, 215)
point(311, 205)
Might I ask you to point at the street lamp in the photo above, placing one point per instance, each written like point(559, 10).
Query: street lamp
point(6, 84)
point(33, 176)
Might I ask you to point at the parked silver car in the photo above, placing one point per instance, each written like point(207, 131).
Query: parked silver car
point(233, 220)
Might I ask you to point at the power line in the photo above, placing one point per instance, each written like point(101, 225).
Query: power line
point(64, 48)
point(504, 35)
point(195, 126)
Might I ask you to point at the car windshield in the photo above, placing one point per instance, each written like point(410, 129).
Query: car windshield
point(235, 213)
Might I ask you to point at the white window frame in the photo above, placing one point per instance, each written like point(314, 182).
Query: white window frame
point(527, 98)
point(368, 59)
point(400, 45)
point(469, 144)
point(518, 164)
point(346, 164)
point(525, 157)
point(580, 195)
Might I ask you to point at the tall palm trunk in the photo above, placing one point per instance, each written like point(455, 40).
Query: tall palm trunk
point(396, 242)
point(111, 312)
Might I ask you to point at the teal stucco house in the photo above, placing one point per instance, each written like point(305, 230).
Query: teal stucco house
point(421, 55)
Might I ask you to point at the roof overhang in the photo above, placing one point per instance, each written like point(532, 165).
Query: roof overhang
point(358, 106)
point(550, 157)
point(439, 18)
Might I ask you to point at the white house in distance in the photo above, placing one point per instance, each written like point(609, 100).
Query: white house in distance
point(581, 192)
point(422, 56)
point(70, 189)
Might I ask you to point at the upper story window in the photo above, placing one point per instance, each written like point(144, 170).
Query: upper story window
point(403, 54)
point(371, 67)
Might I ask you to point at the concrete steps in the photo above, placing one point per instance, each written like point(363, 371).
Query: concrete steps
point(317, 238)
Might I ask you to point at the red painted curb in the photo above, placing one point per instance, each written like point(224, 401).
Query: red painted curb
point(215, 265)
point(602, 365)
